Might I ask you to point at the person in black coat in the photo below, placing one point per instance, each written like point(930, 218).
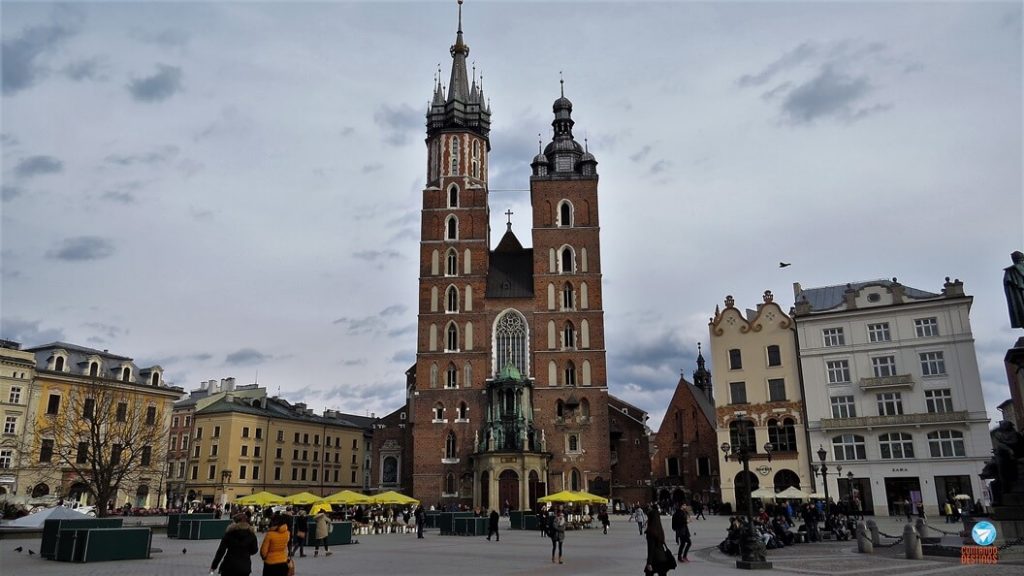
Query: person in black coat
point(236, 547)
point(421, 519)
point(681, 526)
point(492, 526)
point(659, 558)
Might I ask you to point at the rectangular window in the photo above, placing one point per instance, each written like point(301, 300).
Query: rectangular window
point(174, 422)
point(216, 431)
point(245, 432)
point(879, 332)
point(314, 474)
point(259, 433)
point(939, 401)
point(245, 450)
point(88, 408)
point(46, 451)
point(890, 404)
point(776, 389)
point(199, 433)
point(242, 472)
point(5, 458)
point(305, 455)
point(15, 397)
point(280, 435)
point(151, 415)
point(354, 459)
point(174, 444)
point(883, 366)
point(738, 392)
point(774, 355)
point(302, 475)
point(10, 425)
point(213, 449)
point(735, 359)
point(147, 455)
point(316, 455)
point(703, 466)
point(195, 453)
point(122, 411)
point(295, 454)
point(213, 472)
point(672, 466)
point(255, 472)
point(184, 443)
point(188, 421)
point(82, 455)
point(353, 476)
point(925, 327)
point(305, 438)
point(355, 443)
point(336, 476)
point(255, 451)
point(833, 337)
point(336, 455)
point(181, 469)
point(316, 440)
point(843, 407)
point(277, 473)
point(115, 454)
point(277, 454)
point(933, 363)
point(838, 371)
point(195, 472)
point(53, 405)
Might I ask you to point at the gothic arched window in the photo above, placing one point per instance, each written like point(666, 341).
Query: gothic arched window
point(438, 411)
point(453, 196)
point(451, 263)
point(567, 297)
point(451, 228)
point(565, 213)
point(451, 377)
point(569, 335)
point(570, 374)
point(510, 341)
point(566, 260)
point(455, 153)
point(452, 338)
point(451, 299)
point(449, 446)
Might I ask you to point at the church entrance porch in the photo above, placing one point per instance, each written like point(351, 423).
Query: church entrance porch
point(512, 478)
point(508, 491)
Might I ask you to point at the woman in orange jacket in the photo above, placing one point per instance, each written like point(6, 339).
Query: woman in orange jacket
point(275, 549)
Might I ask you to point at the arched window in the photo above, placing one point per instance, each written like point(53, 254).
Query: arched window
point(453, 196)
point(510, 341)
point(449, 446)
point(155, 379)
point(126, 374)
point(467, 375)
point(451, 299)
point(58, 364)
point(389, 474)
point(455, 152)
point(574, 444)
point(476, 159)
point(789, 433)
point(896, 445)
point(568, 335)
point(946, 444)
point(452, 338)
point(782, 435)
point(451, 267)
point(743, 434)
point(451, 228)
point(849, 447)
point(94, 369)
point(438, 411)
point(463, 411)
point(452, 377)
point(568, 302)
point(449, 483)
point(565, 213)
point(570, 373)
point(566, 261)
point(574, 480)
point(433, 375)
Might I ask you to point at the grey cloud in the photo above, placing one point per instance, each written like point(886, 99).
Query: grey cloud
point(830, 93)
point(161, 154)
point(160, 86)
point(398, 122)
point(368, 168)
point(375, 255)
point(660, 166)
point(355, 362)
point(83, 248)
point(107, 332)
point(780, 89)
point(8, 140)
point(346, 131)
point(10, 192)
point(229, 123)
point(170, 37)
point(38, 165)
point(513, 150)
point(119, 196)
point(394, 310)
point(641, 154)
point(28, 332)
point(406, 218)
point(200, 214)
point(358, 326)
point(402, 330)
point(166, 361)
point(81, 70)
point(404, 234)
point(404, 357)
point(794, 57)
point(20, 55)
point(246, 356)
point(652, 363)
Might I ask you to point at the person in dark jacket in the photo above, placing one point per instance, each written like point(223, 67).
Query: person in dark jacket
point(421, 519)
point(236, 547)
point(492, 526)
point(659, 558)
point(681, 526)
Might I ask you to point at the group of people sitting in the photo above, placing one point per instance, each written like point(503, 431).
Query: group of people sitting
point(780, 530)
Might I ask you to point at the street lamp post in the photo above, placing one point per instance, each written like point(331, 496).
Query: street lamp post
point(824, 480)
point(752, 550)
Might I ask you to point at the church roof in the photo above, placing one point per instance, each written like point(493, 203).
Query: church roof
point(509, 243)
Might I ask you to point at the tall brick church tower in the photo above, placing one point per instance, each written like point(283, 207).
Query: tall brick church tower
point(508, 400)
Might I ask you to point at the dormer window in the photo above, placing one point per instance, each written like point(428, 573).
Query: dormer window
point(58, 364)
point(126, 374)
point(155, 379)
point(94, 369)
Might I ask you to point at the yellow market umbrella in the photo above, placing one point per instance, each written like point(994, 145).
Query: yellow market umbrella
point(570, 497)
point(347, 497)
point(302, 498)
point(321, 505)
point(392, 497)
point(260, 499)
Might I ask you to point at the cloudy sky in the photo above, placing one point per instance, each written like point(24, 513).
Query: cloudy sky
point(233, 189)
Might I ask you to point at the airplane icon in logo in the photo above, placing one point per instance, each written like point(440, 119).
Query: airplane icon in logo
point(984, 533)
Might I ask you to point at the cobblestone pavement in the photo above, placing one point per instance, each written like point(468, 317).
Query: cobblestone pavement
point(518, 553)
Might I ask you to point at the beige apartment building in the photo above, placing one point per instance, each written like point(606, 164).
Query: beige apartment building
point(758, 399)
point(17, 376)
point(242, 444)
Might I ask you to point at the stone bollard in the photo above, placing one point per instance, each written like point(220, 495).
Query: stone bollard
point(922, 528)
point(912, 543)
point(876, 538)
point(864, 545)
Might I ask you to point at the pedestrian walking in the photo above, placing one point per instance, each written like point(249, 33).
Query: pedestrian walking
point(492, 526)
point(681, 526)
point(659, 557)
point(557, 533)
point(323, 529)
point(421, 519)
point(299, 541)
point(274, 549)
point(639, 517)
point(603, 517)
point(236, 547)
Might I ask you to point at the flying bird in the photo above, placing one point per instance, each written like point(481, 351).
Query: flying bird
point(784, 264)
point(18, 549)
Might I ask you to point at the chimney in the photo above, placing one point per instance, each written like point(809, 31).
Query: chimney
point(227, 384)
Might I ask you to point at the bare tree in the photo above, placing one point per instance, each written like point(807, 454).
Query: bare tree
point(108, 436)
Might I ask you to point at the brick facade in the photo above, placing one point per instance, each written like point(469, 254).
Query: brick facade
point(685, 462)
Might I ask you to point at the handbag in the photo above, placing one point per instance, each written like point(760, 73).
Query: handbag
point(291, 567)
point(667, 560)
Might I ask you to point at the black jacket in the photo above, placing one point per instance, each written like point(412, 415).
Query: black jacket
point(492, 521)
point(236, 547)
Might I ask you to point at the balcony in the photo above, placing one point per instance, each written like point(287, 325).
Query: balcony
point(959, 417)
point(897, 381)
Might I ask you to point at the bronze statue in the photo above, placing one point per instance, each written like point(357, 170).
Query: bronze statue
point(1008, 448)
point(1013, 284)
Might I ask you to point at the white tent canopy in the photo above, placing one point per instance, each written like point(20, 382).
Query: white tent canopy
point(763, 493)
point(36, 520)
point(792, 493)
